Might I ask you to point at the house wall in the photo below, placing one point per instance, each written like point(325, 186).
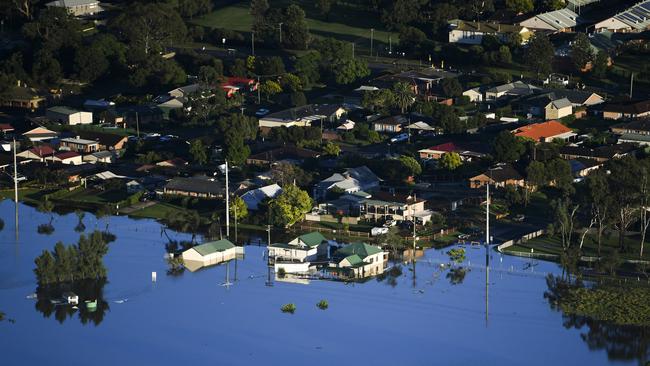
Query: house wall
point(291, 254)
point(465, 37)
point(552, 113)
point(612, 115)
point(379, 127)
point(192, 255)
point(375, 267)
point(593, 100)
point(612, 24)
point(474, 96)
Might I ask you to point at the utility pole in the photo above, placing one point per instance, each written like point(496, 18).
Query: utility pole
point(372, 36)
point(280, 34)
point(353, 50)
point(253, 43)
point(16, 185)
point(235, 206)
point(137, 124)
point(390, 44)
point(631, 84)
point(487, 217)
point(227, 204)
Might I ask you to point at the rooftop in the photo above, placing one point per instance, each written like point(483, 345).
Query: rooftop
point(362, 250)
point(78, 141)
point(538, 131)
point(63, 110)
point(559, 19)
point(214, 247)
point(310, 111)
point(200, 184)
point(637, 17)
point(485, 27)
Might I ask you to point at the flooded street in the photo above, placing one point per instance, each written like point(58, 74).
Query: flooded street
point(416, 314)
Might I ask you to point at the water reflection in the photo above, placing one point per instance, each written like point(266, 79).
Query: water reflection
point(50, 301)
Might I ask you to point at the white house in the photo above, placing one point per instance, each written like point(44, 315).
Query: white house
point(359, 260)
point(254, 197)
point(208, 254)
point(472, 32)
point(66, 157)
point(69, 116)
point(77, 7)
point(557, 109)
point(635, 19)
point(561, 20)
point(350, 181)
point(71, 298)
point(40, 134)
point(305, 248)
point(304, 116)
point(475, 95)
point(106, 157)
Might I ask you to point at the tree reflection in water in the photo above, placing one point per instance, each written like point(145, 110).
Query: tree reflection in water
point(457, 275)
point(391, 275)
point(86, 290)
point(621, 342)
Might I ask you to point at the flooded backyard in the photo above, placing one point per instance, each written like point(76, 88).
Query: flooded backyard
point(415, 314)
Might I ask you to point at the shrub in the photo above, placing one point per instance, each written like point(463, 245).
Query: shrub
point(46, 229)
point(322, 304)
point(281, 272)
point(288, 308)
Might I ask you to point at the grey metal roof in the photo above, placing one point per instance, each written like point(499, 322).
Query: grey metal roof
point(636, 17)
point(560, 19)
point(72, 3)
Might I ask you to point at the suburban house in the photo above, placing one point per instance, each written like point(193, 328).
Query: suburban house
point(305, 248)
point(234, 85)
point(69, 116)
point(79, 145)
point(392, 124)
point(201, 187)
point(6, 128)
point(106, 141)
point(627, 110)
point(634, 19)
point(561, 20)
point(475, 95)
point(40, 134)
point(581, 168)
point(514, 89)
point(424, 83)
point(184, 91)
point(209, 254)
point(66, 157)
point(500, 175)
point(22, 97)
point(359, 260)
point(600, 154)
point(466, 32)
point(38, 153)
point(350, 181)
point(254, 197)
point(466, 153)
point(636, 132)
point(287, 153)
point(176, 163)
point(303, 116)
point(548, 106)
point(578, 97)
point(106, 157)
point(545, 131)
point(383, 205)
point(78, 7)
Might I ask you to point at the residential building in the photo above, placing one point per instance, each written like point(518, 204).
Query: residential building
point(350, 181)
point(78, 7)
point(545, 131)
point(561, 20)
point(255, 197)
point(395, 206)
point(38, 153)
point(577, 97)
point(23, 98)
point(392, 124)
point(514, 89)
point(303, 116)
point(559, 108)
point(547, 106)
point(475, 95)
point(467, 153)
point(600, 154)
point(79, 145)
point(201, 187)
point(6, 128)
point(172, 163)
point(184, 91)
point(305, 248)
point(66, 157)
point(286, 153)
point(69, 116)
point(627, 109)
point(581, 168)
point(501, 175)
point(634, 19)
point(39, 134)
point(466, 32)
point(105, 156)
point(636, 132)
point(209, 254)
point(106, 141)
point(134, 186)
point(359, 260)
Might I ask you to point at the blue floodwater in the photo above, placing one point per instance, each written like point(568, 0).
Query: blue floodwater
point(193, 320)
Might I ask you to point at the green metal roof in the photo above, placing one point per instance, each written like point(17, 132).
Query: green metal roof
point(312, 239)
point(214, 246)
point(362, 250)
point(354, 260)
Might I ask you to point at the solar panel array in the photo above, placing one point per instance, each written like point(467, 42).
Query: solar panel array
point(637, 17)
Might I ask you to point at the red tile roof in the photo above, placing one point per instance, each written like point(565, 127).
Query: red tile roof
point(446, 147)
point(544, 130)
point(42, 151)
point(66, 155)
point(5, 127)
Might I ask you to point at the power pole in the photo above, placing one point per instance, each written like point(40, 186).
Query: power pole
point(16, 185)
point(227, 204)
point(353, 50)
point(259, 95)
point(235, 206)
point(631, 84)
point(253, 43)
point(137, 124)
point(280, 34)
point(372, 36)
point(487, 216)
point(390, 44)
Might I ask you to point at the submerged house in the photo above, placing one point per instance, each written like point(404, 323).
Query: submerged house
point(359, 260)
point(305, 248)
point(210, 253)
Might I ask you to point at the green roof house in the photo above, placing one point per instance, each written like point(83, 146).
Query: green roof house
point(305, 248)
point(208, 254)
point(359, 260)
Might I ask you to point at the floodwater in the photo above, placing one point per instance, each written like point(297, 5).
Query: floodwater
point(423, 316)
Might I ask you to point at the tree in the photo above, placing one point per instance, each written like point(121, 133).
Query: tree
point(295, 34)
point(411, 166)
point(307, 68)
point(236, 150)
point(269, 66)
point(198, 152)
point(25, 7)
point(46, 70)
point(291, 82)
point(347, 71)
point(520, 6)
point(601, 202)
point(208, 75)
point(601, 64)
point(378, 100)
point(539, 55)
point(192, 8)
point(401, 12)
point(270, 88)
point(238, 209)
point(565, 213)
point(581, 53)
point(90, 63)
point(450, 161)
point(289, 207)
point(298, 99)
point(505, 56)
point(331, 149)
point(451, 87)
point(623, 187)
point(149, 27)
point(507, 147)
point(404, 95)
point(411, 40)
point(324, 7)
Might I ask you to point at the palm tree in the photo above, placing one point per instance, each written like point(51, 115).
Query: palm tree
point(404, 95)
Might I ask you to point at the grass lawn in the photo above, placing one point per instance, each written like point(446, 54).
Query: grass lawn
point(157, 211)
point(28, 195)
point(553, 245)
point(343, 24)
point(95, 196)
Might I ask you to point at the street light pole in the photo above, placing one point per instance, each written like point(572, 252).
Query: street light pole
point(372, 36)
point(253, 43)
point(281, 34)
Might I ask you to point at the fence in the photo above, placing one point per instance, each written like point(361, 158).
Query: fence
point(523, 239)
point(350, 233)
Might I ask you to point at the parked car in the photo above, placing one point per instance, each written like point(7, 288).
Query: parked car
point(519, 218)
point(464, 236)
point(262, 112)
point(389, 223)
point(399, 138)
point(378, 231)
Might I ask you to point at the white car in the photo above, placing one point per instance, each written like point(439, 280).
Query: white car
point(399, 138)
point(378, 231)
point(262, 112)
